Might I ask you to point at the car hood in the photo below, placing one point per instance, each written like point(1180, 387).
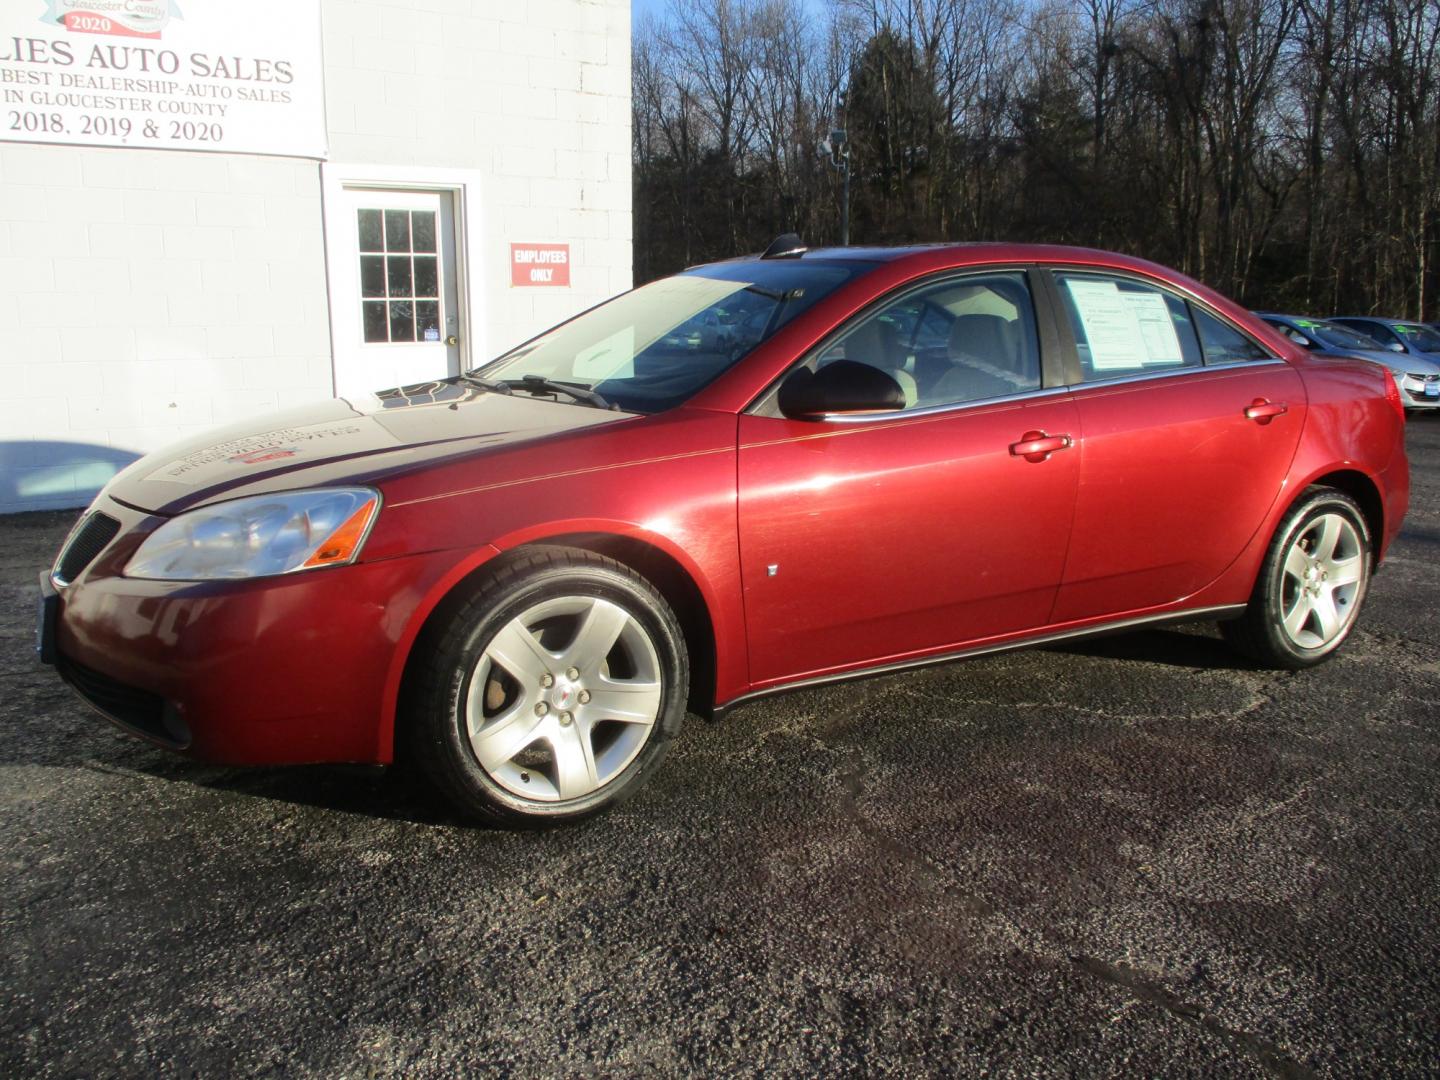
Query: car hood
point(1417, 363)
point(1427, 362)
point(340, 441)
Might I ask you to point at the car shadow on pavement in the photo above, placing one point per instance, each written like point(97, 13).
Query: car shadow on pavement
point(386, 793)
point(1177, 648)
point(1418, 534)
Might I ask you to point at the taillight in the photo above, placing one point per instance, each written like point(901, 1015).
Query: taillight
point(1392, 395)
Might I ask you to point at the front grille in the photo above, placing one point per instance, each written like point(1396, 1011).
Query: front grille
point(89, 540)
point(140, 710)
point(1420, 376)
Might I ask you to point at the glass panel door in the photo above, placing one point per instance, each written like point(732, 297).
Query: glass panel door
point(397, 320)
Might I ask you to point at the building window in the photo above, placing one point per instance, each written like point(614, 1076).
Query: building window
point(399, 276)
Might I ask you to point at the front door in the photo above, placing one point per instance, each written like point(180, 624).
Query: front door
point(883, 538)
point(397, 320)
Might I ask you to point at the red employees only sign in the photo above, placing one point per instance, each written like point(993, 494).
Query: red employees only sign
point(539, 264)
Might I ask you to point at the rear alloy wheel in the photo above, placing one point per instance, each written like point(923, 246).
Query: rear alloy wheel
point(552, 693)
point(1311, 585)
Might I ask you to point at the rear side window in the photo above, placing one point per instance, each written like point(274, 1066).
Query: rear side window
point(1125, 327)
point(1223, 343)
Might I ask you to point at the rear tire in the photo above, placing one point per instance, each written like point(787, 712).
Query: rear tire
point(1311, 585)
point(550, 694)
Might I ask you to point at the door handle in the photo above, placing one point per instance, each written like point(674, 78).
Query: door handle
point(1263, 411)
point(452, 340)
point(1037, 446)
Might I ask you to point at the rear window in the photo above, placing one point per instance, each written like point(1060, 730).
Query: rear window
point(1341, 337)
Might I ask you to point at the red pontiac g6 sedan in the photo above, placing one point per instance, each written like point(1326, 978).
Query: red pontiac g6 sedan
point(756, 475)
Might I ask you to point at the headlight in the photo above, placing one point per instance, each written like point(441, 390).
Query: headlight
point(259, 537)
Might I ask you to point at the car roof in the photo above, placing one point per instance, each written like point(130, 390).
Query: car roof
point(977, 251)
point(929, 258)
point(1292, 318)
point(1385, 322)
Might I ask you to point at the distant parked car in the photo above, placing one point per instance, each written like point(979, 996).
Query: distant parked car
point(1417, 377)
point(1396, 335)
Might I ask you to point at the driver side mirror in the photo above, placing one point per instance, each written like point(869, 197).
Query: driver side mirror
point(1395, 346)
point(846, 386)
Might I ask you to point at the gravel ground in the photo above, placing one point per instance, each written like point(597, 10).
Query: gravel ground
point(1135, 855)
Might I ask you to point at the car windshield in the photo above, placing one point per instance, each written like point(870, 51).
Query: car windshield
point(1340, 337)
point(652, 348)
point(1419, 337)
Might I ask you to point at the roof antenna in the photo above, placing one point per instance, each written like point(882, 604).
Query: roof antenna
point(787, 246)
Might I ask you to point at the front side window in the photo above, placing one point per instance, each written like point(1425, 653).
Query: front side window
point(652, 348)
point(959, 340)
point(1124, 327)
point(1297, 336)
point(1418, 337)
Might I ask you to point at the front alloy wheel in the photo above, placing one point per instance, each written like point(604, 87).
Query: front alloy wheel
point(549, 692)
point(563, 698)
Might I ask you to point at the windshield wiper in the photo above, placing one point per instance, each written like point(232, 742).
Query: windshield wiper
point(540, 384)
point(781, 300)
point(485, 384)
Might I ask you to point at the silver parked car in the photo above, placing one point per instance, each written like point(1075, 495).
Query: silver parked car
point(1395, 344)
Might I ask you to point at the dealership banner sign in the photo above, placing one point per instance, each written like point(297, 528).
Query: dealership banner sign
point(164, 74)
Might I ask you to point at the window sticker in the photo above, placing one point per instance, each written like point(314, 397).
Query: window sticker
point(612, 358)
point(1111, 325)
point(1157, 328)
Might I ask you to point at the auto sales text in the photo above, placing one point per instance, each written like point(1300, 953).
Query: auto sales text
point(144, 60)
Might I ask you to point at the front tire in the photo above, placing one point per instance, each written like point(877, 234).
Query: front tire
point(1311, 585)
point(551, 693)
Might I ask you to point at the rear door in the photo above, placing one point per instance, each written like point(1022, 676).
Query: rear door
point(1187, 430)
point(878, 538)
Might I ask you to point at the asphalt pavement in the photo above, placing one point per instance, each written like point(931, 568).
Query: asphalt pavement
point(1137, 855)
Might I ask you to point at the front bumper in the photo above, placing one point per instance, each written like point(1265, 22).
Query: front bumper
point(1419, 393)
point(284, 670)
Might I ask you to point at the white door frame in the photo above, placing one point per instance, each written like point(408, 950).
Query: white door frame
point(464, 188)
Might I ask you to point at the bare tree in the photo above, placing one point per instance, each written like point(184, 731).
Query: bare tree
point(1287, 151)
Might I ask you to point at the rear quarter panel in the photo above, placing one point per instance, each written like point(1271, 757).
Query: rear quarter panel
point(1353, 427)
point(1350, 427)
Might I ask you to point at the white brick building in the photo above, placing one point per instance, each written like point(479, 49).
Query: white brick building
point(148, 293)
